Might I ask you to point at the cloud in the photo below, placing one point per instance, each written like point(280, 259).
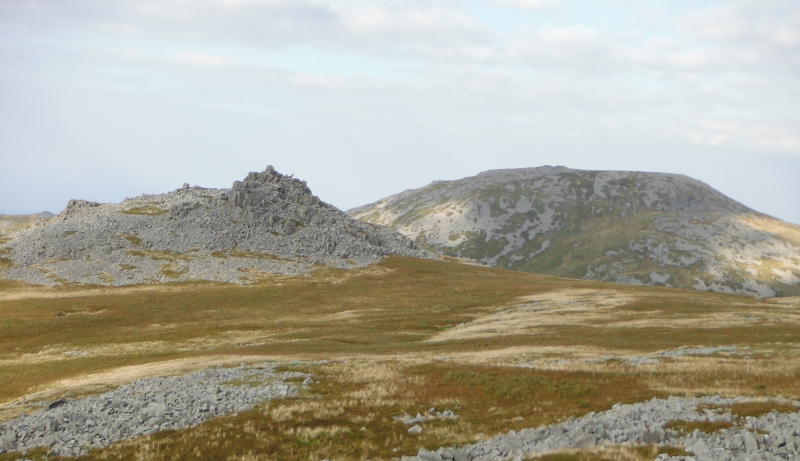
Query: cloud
point(723, 133)
point(205, 60)
point(383, 26)
point(530, 5)
point(766, 32)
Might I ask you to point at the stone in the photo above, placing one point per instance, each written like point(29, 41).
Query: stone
point(428, 455)
point(56, 404)
point(750, 442)
point(415, 429)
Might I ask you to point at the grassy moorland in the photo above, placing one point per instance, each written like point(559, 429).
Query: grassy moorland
point(505, 350)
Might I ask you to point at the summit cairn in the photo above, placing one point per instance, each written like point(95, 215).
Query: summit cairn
point(268, 223)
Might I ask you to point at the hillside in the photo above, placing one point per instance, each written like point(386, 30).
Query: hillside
point(12, 224)
point(616, 226)
point(266, 224)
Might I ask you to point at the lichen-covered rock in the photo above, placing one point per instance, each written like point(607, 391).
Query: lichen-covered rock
point(614, 226)
point(268, 223)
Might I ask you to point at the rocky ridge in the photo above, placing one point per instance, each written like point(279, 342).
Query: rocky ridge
point(774, 436)
point(268, 223)
point(614, 226)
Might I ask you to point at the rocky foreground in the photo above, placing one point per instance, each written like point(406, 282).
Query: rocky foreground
point(72, 427)
point(774, 436)
point(268, 223)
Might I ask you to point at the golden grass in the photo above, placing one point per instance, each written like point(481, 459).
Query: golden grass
point(144, 210)
point(403, 336)
point(610, 453)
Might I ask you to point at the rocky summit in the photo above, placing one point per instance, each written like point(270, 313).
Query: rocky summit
point(615, 226)
point(268, 223)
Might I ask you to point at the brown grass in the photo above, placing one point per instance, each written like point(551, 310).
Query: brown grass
point(378, 325)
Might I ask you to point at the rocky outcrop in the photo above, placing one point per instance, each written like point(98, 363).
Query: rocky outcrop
point(774, 436)
point(268, 223)
point(71, 427)
point(614, 226)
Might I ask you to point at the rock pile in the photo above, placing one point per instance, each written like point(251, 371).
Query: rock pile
point(774, 436)
point(72, 427)
point(268, 223)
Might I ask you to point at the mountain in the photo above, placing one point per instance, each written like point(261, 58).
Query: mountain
point(616, 226)
point(266, 224)
point(12, 224)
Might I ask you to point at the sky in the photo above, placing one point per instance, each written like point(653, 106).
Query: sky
point(102, 100)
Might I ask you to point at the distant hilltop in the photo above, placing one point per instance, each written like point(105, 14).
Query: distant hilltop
point(615, 226)
point(266, 224)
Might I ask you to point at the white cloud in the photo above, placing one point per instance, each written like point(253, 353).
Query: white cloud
point(382, 26)
point(723, 133)
point(532, 5)
point(206, 60)
point(749, 23)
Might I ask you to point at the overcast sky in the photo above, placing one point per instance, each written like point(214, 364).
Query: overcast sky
point(103, 100)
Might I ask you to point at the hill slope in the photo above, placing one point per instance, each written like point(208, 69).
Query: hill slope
point(625, 227)
point(11, 224)
point(269, 223)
